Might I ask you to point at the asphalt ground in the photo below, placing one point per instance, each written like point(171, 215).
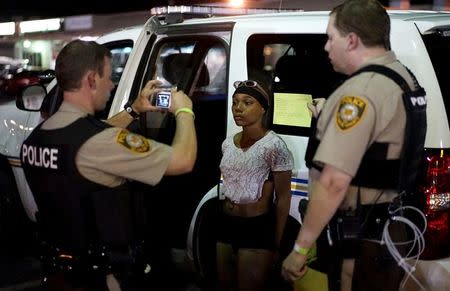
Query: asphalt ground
point(20, 270)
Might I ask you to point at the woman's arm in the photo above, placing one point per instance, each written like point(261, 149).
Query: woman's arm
point(282, 181)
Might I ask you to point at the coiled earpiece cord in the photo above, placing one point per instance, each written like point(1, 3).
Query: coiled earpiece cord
point(409, 261)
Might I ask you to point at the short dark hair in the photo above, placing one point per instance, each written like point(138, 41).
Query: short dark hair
point(366, 18)
point(75, 59)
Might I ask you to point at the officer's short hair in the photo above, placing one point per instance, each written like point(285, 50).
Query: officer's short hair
point(75, 59)
point(366, 18)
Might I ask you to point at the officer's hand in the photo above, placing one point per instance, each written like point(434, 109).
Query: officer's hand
point(316, 106)
point(142, 103)
point(179, 100)
point(294, 267)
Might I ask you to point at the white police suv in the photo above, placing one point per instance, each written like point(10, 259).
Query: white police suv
point(204, 56)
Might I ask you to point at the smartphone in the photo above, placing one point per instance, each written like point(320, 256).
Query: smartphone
point(162, 99)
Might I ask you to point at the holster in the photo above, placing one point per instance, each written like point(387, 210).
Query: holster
point(346, 232)
point(348, 229)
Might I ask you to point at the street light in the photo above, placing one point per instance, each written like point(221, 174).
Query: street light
point(236, 3)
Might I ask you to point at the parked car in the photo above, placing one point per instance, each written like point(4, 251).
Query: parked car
point(10, 66)
point(12, 84)
point(204, 56)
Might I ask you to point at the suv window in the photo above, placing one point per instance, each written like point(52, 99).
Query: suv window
point(180, 63)
point(296, 67)
point(438, 46)
point(198, 67)
point(120, 51)
point(119, 60)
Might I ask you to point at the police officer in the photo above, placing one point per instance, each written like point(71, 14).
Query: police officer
point(361, 135)
point(78, 166)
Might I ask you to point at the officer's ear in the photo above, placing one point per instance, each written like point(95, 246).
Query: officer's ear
point(353, 41)
point(91, 78)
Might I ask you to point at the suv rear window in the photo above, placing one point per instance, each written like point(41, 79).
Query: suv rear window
point(297, 68)
point(438, 46)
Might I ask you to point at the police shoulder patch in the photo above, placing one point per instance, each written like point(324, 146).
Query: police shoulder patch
point(134, 142)
point(350, 111)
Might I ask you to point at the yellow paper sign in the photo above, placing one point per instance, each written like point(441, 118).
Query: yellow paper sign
point(290, 109)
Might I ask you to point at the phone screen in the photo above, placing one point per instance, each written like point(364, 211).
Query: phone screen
point(162, 99)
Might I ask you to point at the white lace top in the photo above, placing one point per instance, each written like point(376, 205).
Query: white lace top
point(245, 170)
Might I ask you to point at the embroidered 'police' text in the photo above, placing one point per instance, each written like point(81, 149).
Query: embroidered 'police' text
point(40, 156)
point(418, 101)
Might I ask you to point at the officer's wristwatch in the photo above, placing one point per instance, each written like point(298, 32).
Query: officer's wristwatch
point(130, 110)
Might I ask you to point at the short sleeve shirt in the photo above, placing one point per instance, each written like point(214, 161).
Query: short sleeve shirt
point(365, 109)
point(115, 154)
point(245, 170)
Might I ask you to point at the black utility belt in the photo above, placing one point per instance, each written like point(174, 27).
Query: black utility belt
point(347, 229)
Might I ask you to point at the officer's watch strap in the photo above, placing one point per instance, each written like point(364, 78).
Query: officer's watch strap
point(130, 110)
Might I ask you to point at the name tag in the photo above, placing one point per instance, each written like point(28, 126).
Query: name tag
point(42, 157)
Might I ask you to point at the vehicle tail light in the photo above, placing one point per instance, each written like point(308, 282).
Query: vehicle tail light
point(436, 189)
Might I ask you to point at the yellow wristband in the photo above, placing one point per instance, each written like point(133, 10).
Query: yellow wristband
point(299, 250)
point(185, 109)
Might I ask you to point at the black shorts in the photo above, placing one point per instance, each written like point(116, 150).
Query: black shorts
point(247, 232)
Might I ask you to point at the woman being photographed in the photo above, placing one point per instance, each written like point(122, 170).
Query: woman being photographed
point(256, 166)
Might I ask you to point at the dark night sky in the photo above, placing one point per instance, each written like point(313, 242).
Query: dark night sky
point(32, 9)
point(16, 10)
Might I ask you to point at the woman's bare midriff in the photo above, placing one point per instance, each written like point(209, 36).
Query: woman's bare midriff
point(251, 209)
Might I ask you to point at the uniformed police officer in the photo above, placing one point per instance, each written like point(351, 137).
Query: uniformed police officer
point(360, 137)
point(77, 168)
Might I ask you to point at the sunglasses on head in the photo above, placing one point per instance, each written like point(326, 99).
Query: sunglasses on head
point(264, 99)
point(247, 83)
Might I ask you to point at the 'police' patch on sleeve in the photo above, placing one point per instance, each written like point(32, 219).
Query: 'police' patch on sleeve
point(134, 142)
point(350, 111)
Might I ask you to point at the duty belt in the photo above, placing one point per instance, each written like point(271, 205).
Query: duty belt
point(347, 229)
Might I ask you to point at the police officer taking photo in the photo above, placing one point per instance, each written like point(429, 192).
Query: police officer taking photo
point(78, 167)
point(364, 153)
